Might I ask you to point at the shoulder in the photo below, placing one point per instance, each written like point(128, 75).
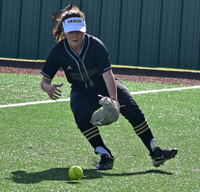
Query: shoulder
point(96, 43)
point(58, 47)
point(94, 39)
point(56, 51)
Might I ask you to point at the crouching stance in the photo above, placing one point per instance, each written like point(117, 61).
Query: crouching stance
point(85, 61)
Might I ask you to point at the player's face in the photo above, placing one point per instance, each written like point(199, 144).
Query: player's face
point(75, 38)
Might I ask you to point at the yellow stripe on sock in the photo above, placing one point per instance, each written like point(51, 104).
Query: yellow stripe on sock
point(143, 131)
point(89, 130)
point(90, 133)
point(140, 124)
point(92, 136)
point(141, 128)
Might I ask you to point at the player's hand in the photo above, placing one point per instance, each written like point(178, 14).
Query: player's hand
point(53, 91)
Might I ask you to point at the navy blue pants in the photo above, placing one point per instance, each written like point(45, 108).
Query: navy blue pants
point(84, 102)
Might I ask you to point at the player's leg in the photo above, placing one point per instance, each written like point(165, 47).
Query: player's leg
point(83, 105)
point(135, 116)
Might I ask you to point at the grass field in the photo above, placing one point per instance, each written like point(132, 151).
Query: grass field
point(39, 143)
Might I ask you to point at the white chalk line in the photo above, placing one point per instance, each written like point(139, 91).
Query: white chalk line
point(165, 90)
point(68, 99)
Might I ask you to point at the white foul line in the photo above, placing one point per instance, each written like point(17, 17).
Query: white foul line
point(132, 93)
point(33, 103)
point(165, 90)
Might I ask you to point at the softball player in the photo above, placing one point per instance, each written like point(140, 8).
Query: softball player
point(85, 61)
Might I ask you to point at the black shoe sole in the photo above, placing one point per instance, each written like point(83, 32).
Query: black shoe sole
point(107, 166)
point(104, 168)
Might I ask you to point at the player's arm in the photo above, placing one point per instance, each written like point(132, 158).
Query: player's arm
point(110, 83)
point(52, 90)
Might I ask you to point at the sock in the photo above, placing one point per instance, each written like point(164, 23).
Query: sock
point(94, 138)
point(144, 132)
point(101, 150)
point(153, 145)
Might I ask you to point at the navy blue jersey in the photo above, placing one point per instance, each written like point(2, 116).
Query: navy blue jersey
point(85, 69)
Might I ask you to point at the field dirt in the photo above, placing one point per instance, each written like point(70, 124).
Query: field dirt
point(123, 73)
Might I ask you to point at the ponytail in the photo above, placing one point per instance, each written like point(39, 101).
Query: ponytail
point(59, 17)
point(58, 32)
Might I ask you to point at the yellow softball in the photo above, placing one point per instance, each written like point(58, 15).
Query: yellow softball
point(75, 172)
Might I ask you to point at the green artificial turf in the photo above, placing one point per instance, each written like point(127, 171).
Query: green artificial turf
point(39, 143)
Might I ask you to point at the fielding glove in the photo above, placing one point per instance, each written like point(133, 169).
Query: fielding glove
point(108, 114)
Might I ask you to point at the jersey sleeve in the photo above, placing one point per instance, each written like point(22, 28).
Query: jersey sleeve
point(102, 56)
point(51, 65)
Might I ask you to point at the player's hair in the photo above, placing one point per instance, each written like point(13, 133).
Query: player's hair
point(72, 11)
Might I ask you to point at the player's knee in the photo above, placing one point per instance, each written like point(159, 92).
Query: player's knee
point(133, 114)
point(82, 115)
point(83, 119)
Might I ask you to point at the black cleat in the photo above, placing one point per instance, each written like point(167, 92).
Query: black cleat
point(159, 156)
point(106, 163)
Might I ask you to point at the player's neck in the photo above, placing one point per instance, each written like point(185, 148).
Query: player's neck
point(77, 49)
